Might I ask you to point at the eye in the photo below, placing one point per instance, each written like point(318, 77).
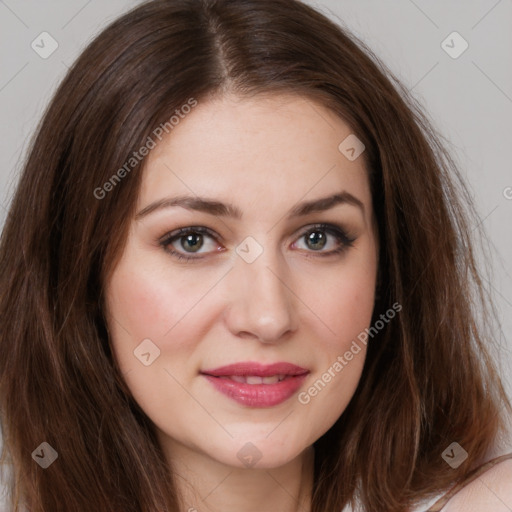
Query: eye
point(185, 242)
point(190, 240)
point(320, 236)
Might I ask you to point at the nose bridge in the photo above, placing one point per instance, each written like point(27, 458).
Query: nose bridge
point(261, 300)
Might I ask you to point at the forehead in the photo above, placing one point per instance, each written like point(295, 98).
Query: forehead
point(262, 151)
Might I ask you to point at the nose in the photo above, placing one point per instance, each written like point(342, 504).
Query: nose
point(261, 301)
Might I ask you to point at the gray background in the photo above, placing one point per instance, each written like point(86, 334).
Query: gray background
point(468, 98)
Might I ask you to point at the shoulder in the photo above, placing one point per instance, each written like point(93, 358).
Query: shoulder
point(492, 490)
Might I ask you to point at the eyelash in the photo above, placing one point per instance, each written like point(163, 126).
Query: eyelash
point(340, 234)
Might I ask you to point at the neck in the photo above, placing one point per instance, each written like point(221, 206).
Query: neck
point(206, 485)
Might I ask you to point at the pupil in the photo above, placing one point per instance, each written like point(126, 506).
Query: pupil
point(317, 237)
point(191, 241)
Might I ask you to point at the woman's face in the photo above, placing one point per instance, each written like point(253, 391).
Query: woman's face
point(266, 283)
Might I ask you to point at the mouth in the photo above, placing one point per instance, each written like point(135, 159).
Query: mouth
point(256, 385)
point(255, 379)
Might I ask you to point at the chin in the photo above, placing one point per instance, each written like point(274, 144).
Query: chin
point(262, 452)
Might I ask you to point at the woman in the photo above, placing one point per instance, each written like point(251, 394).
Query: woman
point(237, 274)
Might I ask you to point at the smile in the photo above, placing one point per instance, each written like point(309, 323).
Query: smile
point(256, 385)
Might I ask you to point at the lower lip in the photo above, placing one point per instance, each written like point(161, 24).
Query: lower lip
point(257, 395)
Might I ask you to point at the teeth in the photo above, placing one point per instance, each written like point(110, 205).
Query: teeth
point(253, 379)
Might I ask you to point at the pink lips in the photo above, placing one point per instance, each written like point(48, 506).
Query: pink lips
point(257, 385)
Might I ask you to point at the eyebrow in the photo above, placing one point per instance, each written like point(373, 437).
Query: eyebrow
point(220, 209)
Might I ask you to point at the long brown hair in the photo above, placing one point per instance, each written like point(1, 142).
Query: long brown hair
point(428, 379)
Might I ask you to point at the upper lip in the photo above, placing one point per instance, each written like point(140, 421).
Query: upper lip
point(256, 369)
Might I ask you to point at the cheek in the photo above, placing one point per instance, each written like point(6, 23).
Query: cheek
point(139, 310)
point(139, 300)
point(351, 309)
point(150, 304)
point(146, 301)
point(345, 304)
point(346, 307)
point(146, 305)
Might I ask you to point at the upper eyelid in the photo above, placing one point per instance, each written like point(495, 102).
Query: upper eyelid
point(203, 230)
point(180, 232)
